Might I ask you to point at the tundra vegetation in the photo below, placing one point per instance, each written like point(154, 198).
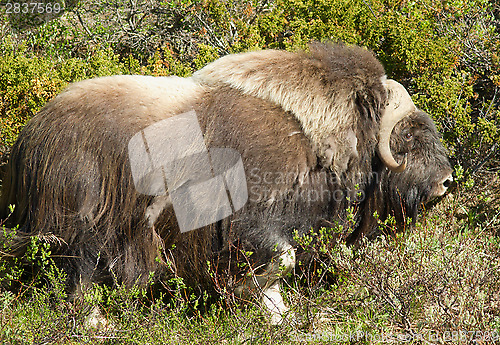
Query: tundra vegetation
point(434, 282)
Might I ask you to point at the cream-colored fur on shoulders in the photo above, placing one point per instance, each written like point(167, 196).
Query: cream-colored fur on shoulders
point(304, 85)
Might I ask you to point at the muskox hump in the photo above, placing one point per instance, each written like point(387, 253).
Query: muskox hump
point(335, 92)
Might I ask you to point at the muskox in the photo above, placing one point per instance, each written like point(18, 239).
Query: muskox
point(316, 132)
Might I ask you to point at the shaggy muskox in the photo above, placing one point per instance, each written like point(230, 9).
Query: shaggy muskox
point(316, 131)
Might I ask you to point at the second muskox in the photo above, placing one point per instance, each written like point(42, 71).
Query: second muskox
point(313, 130)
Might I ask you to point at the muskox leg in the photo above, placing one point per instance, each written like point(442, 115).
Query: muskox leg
point(95, 320)
point(267, 285)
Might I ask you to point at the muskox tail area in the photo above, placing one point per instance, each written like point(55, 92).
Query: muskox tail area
point(4, 157)
point(14, 240)
point(70, 182)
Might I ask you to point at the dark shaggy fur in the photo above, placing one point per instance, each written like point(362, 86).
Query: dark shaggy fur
point(69, 173)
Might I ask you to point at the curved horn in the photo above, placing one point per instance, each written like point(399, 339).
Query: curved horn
point(399, 105)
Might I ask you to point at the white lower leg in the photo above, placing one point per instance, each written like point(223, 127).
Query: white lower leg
point(273, 301)
point(267, 285)
point(97, 321)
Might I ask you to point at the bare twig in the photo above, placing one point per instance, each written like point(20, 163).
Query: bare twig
point(371, 10)
point(82, 23)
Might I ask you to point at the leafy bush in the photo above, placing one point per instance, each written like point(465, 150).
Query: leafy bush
point(28, 81)
point(435, 282)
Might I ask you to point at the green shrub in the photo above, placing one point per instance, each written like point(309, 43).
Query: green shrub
point(435, 282)
point(28, 81)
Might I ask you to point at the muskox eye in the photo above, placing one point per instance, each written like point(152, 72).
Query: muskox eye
point(408, 136)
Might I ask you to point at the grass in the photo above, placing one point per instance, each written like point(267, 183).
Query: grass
point(436, 283)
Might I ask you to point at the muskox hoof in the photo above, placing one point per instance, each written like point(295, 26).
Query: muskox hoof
point(289, 319)
point(96, 321)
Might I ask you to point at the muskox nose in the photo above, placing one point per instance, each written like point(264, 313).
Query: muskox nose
point(443, 185)
point(447, 181)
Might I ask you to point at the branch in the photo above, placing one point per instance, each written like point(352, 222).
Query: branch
point(83, 25)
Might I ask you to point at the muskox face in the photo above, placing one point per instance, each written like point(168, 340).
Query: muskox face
point(428, 173)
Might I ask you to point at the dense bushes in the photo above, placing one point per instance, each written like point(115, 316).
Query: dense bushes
point(427, 284)
point(28, 81)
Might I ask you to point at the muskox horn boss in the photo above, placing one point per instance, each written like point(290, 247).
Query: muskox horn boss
point(399, 105)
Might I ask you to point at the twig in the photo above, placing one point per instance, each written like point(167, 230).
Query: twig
point(478, 166)
point(83, 24)
point(212, 34)
point(371, 10)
